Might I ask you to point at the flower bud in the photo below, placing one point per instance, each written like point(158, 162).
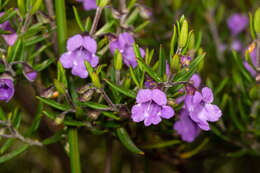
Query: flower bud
point(175, 63)
point(6, 87)
point(102, 3)
point(257, 20)
point(49, 93)
point(94, 114)
point(95, 80)
point(29, 73)
point(87, 95)
point(118, 60)
point(183, 34)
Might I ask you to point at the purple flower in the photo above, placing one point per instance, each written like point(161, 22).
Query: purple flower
point(200, 108)
point(186, 127)
point(6, 88)
point(237, 23)
point(9, 38)
point(89, 4)
point(124, 44)
point(80, 48)
point(151, 107)
point(236, 45)
point(254, 61)
point(195, 80)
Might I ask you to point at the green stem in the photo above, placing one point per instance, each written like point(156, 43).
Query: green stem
point(62, 37)
point(74, 151)
point(61, 24)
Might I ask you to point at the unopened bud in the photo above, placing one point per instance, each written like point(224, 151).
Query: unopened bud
point(29, 73)
point(87, 95)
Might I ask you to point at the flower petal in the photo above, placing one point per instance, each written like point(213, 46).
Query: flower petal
point(159, 97)
point(207, 95)
point(66, 59)
point(10, 38)
point(195, 79)
point(74, 42)
point(138, 112)
point(186, 127)
point(144, 95)
point(167, 112)
point(90, 44)
point(126, 39)
point(213, 112)
point(89, 4)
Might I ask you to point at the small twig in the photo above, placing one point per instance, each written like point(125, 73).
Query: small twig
point(109, 102)
point(96, 20)
point(26, 22)
point(109, 148)
point(213, 29)
point(51, 14)
point(15, 134)
point(170, 84)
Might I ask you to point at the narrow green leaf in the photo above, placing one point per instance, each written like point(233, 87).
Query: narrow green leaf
point(127, 92)
point(110, 115)
point(21, 7)
point(162, 62)
point(141, 26)
point(62, 75)
point(234, 117)
point(7, 15)
point(2, 114)
point(173, 40)
point(106, 28)
point(132, 73)
point(94, 105)
point(14, 50)
point(13, 154)
point(44, 64)
point(251, 25)
point(39, 51)
point(78, 19)
point(36, 6)
point(221, 86)
point(162, 144)
point(196, 150)
point(127, 141)
point(149, 70)
point(53, 139)
point(54, 104)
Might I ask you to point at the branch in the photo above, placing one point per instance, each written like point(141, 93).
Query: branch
point(15, 134)
point(214, 31)
point(96, 20)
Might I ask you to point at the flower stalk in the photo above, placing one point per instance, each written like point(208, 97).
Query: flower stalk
point(62, 37)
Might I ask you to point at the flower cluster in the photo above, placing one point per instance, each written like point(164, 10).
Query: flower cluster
point(124, 44)
point(151, 107)
point(80, 48)
point(197, 111)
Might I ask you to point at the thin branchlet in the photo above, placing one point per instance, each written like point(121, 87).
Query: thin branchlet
point(14, 134)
